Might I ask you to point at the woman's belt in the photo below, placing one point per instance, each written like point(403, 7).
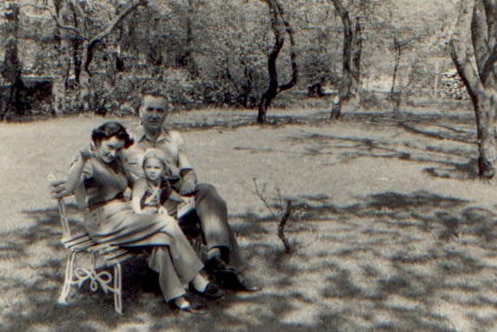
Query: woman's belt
point(96, 205)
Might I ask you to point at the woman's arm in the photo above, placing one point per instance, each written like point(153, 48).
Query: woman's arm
point(139, 190)
point(75, 174)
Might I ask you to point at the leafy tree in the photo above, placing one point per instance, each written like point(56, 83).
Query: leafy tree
point(87, 34)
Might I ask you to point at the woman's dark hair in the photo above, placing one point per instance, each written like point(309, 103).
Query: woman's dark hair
point(111, 129)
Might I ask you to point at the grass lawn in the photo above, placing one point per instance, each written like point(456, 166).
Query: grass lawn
point(391, 232)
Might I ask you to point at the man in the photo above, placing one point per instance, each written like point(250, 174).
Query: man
point(223, 259)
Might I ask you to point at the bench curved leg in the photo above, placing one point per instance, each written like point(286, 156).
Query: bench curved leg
point(68, 279)
point(118, 304)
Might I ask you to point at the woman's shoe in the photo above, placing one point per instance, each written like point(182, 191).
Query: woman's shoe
point(190, 305)
point(191, 310)
point(212, 291)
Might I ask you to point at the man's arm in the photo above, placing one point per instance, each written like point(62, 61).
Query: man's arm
point(131, 158)
point(188, 176)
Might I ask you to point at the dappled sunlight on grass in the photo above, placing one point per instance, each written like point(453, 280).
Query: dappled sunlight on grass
point(383, 240)
point(390, 260)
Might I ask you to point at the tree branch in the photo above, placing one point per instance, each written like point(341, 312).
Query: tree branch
point(58, 23)
point(281, 227)
point(293, 54)
point(284, 212)
point(98, 38)
point(488, 67)
point(262, 197)
point(70, 28)
point(465, 70)
point(116, 21)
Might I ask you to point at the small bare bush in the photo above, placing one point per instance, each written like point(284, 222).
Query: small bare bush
point(282, 210)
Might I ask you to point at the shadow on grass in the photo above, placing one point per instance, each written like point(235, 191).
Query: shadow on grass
point(393, 262)
point(453, 161)
point(143, 306)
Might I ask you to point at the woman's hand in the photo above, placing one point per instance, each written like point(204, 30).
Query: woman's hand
point(87, 151)
point(57, 187)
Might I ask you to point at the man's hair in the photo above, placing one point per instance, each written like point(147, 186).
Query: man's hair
point(153, 95)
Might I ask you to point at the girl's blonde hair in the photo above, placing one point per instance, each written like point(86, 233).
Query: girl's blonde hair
point(158, 154)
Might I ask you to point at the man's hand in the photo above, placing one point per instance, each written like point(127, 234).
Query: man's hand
point(162, 210)
point(189, 182)
point(187, 187)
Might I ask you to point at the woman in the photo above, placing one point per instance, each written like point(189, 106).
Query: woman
point(100, 171)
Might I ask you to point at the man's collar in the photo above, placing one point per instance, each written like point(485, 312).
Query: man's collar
point(140, 134)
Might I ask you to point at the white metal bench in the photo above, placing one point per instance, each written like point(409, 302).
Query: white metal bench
point(75, 275)
point(80, 243)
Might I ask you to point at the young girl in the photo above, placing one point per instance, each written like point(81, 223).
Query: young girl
point(111, 220)
point(153, 194)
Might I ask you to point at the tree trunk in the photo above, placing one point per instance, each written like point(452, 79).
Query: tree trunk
point(355, 65)
point(483, 100)
point(485, 113)
point(188, 58)
point(265, 102)
point(336, 108)
point(12, 66)
point(76, 44)
point(396, 96)
point(62, 80)
point(348, 37)
point(276, 14)
point(474, 55)
point(351, 59)
point(271, 91)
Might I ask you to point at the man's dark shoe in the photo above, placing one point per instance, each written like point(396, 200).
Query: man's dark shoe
point(235, 280)
point(212, 291)
point(215, 264)
point(246, 284)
